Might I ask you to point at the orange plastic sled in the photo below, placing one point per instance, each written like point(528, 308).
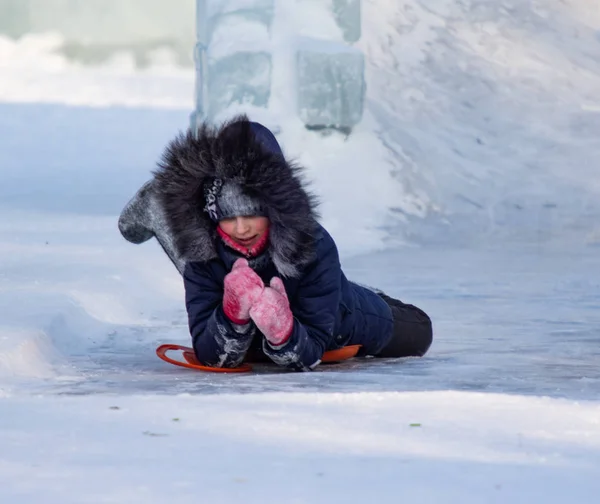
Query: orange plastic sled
point(191, 362)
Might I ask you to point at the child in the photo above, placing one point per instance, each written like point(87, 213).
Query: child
point(261, 276)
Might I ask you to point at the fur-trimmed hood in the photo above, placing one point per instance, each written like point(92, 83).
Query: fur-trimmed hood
point(247, 154)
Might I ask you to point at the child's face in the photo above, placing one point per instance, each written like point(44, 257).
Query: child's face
point(245, 230)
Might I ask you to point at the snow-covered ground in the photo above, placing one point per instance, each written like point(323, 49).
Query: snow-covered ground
point(299, 448)
point(480, 134)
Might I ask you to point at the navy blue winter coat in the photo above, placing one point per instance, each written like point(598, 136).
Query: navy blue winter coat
point(329, 311)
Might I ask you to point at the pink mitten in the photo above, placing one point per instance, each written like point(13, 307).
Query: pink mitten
point(272, 315)
point(242, 288)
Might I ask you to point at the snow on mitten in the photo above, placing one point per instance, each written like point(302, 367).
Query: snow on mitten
point(242, 288)
point(272, 315)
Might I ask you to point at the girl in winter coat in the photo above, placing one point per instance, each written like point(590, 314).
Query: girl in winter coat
point(261, 276)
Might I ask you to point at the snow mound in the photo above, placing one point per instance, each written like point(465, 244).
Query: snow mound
point(28, 354)
point(492, 110)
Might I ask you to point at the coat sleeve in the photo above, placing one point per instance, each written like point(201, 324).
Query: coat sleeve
point(315, 308)
point(217, 341)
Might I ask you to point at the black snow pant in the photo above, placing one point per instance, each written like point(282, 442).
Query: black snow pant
point(412, 333)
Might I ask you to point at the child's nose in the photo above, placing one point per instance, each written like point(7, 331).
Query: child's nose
point(241, 225)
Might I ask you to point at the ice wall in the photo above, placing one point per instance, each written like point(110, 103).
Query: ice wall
point(237, 44)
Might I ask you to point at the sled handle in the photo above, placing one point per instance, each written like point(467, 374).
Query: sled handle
point(192, 362)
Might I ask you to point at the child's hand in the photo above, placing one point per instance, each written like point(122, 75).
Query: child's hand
point(242, 288)
point(272, 315)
